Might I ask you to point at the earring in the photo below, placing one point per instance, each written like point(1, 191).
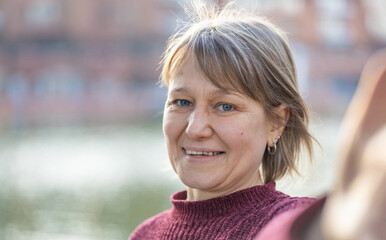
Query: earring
point(274, 146)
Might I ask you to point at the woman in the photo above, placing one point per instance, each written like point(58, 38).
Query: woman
point(234, 122)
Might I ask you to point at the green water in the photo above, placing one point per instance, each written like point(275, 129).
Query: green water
point(89, 182)
point(82, 182)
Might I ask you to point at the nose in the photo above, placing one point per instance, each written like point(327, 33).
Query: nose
point(199, 124)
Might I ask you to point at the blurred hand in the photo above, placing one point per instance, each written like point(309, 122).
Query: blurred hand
point(356, 209)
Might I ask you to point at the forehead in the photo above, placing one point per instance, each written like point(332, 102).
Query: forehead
point(190, 73)
point(189, 67)
point(191, 79)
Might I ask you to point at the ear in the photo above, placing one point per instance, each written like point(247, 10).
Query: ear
point(282, 114)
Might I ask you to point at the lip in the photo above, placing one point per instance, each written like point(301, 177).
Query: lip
point(202, 158)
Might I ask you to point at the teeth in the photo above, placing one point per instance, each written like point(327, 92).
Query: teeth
point(202, 153)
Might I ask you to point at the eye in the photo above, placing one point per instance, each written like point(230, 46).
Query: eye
point(225, 107)
point(183, 103)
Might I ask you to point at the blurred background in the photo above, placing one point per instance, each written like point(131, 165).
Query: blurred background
point(81, 147)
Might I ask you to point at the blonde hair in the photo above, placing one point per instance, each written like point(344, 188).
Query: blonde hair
point(247, 53)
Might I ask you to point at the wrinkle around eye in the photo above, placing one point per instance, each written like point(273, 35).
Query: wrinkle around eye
point(183, 103)
point(175, 104)
point(226, 107)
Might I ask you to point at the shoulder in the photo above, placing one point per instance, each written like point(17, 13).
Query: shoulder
point(279, 203)
point(270, 202)
point(286, 203)
point(290, 224)
point(149, 228)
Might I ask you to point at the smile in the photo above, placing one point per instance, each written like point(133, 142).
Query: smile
point(199, 154)
point(202, 153)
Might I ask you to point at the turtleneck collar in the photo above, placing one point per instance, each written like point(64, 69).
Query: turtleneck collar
point(222, 205)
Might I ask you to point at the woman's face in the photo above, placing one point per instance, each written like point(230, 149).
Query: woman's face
point(215, 138)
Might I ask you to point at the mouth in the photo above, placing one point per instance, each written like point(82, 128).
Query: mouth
point(202, 153)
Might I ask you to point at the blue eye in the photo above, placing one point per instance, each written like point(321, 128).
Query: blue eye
point(225, 107)
point(183, 103)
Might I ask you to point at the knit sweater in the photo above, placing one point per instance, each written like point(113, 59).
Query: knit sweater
point(239, 215)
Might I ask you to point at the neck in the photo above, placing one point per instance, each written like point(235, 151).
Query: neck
point(194, 194)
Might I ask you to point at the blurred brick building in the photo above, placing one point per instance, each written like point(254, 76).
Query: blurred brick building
point(64, 61)
point(80, 60)
point(331, 40)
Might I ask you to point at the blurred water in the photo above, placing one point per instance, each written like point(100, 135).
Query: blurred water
point(100, 182)
point(73, 158)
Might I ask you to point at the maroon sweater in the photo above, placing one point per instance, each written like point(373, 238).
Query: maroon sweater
point(239, 215)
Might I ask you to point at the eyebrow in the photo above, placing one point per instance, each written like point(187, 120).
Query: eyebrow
point(179, 90)
point(217, 91)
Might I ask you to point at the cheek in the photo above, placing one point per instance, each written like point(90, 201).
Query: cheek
point(248, 136)
point(172, 128)
point(171, 138)
point(167, 128)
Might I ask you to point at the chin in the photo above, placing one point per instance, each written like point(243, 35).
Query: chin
point(203, 183)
